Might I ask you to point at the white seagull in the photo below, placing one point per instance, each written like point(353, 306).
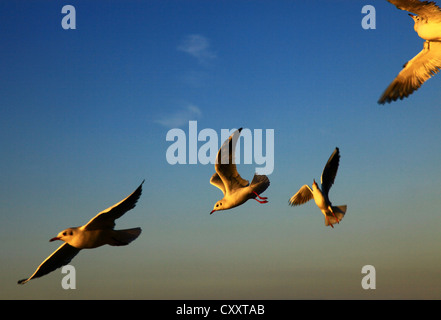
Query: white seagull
point(333, 214)
point(235, 189)
point(426, 63)
point(97, 232)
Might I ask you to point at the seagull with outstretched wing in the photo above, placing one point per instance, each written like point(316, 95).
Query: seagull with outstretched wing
point(97, 232)
point(333, 214)
point(426, 63)
point(236, 190)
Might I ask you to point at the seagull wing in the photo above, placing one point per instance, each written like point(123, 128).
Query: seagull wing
point(217, 181)
point(62, 256)
point(415, 72)
point(106, 219)
point(225, 164)
point(426, 9)
point(302, 196)
point(330, 171)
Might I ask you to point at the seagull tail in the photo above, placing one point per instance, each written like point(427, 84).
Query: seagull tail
point(124, 237)
point(339, 212)
point(260, 183)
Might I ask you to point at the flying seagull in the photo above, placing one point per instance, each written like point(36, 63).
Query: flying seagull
point(333, 214)
point(426, 63)
point(97, 232)
point(236, 190)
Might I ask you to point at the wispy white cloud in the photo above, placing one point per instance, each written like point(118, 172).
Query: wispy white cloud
point(197, 46)
point(181, 117)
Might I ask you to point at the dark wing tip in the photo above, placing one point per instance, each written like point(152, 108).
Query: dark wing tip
point(22, 281)
point(385, 99)
point(335, 154)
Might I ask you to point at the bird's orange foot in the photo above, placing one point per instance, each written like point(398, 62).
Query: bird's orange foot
point(332, 226)
point(338, 221)
point(263, 198)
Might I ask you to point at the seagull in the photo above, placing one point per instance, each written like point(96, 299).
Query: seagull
point(236, 190)
point(426, 63)
point(97, 232)
point(332, 214)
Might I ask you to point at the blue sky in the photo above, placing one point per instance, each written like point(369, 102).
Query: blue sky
point(85, 114)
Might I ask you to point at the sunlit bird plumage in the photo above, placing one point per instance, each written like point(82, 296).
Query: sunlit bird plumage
point(236, 190)
point(97, 232)
point(333, 214)
point(426, 63)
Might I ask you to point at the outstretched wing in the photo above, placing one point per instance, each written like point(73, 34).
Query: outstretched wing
point(414, 73)
point(217, 182)
point(225, 164)
point(302, 196)
point(330, 171)
point(62, 256)
point(106, 219)
point(426, 9)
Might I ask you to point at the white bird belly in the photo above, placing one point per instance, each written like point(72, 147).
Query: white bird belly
point(320, 201)
point(429, 31)
point(239, 197)
point(88, 239)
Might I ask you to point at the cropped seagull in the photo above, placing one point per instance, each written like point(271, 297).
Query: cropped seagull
point(235, 189)
point(332, 214)
point(97, 232)
point(426, 63)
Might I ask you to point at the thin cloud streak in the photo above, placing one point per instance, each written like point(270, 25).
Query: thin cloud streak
point(181, 117)
point(198, 47)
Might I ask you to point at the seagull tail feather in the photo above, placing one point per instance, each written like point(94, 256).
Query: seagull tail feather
point(260, 183)
point(124, 237)
point(339, 212)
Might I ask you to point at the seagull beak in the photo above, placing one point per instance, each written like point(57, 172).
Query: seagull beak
point(212, 211)
point(53, 239)
point(411, 15)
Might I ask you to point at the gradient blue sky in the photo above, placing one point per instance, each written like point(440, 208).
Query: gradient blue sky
point(84, 118)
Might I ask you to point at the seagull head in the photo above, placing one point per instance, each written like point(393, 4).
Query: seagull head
point(64, 235)
point(217, 206)
point(414, 17)
point(314, 185)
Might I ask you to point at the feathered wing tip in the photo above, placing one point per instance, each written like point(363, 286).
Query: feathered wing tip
point(302, 196)
point(330, 171)
point(260, 183)
point(124, 237)
point(415, 72)
point(226, 153)
point(60, 257)
point(339, 212)
point(396, 90)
